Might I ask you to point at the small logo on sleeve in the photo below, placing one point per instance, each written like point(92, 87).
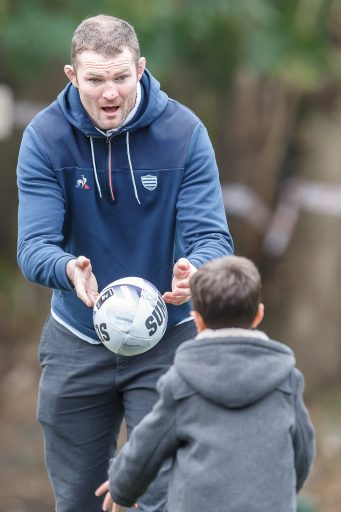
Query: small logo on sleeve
point(81, 183)
point(149, 181)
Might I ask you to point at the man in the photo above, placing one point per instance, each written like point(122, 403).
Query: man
point(115, 179)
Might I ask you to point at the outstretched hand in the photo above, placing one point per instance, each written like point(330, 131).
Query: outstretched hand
point(79, 272)
point(181, 293)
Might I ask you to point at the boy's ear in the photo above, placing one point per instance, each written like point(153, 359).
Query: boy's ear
point(259, 316)
point(198, 320)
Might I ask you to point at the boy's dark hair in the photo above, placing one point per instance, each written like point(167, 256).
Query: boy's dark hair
point(106, 35)
point(226, 292)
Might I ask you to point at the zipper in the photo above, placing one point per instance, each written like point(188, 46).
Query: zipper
point(108, 166)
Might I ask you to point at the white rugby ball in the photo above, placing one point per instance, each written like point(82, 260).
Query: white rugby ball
point(130, 316)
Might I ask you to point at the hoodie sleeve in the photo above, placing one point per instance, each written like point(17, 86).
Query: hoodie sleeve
point(151, 442)
point(303, 436)
point(41, 216)
point(201, 217)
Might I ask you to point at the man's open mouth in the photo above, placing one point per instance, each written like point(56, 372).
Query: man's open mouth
point(110, 110)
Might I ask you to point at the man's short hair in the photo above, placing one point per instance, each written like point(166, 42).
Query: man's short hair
point(106, 35)
point(226, 292)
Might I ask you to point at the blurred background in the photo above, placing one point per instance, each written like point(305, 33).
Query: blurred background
point(264, 76)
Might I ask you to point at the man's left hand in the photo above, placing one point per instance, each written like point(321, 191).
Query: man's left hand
point(181, 293)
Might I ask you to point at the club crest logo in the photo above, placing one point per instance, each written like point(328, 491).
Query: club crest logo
point(82, 183)
point(149, 181)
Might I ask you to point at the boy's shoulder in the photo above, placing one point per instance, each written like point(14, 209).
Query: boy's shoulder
point(292, 383)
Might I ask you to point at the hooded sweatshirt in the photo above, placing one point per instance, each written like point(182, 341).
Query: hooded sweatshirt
point(232, 417)
point(132, 200)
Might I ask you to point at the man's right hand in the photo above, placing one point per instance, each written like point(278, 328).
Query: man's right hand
point(79, 272)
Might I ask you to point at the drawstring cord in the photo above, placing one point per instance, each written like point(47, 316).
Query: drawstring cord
point(94, 167)
point(110, 171)
point(131, 169)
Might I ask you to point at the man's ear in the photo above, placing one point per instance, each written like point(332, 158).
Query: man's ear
point(70, 73)
point(141, 67)
point(259, 316)
point(198, 320)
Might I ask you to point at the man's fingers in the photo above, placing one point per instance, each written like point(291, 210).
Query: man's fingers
point(184, 283)
point(180, 291)
point(181, 268)
point(167, 296)
point(183, 263)
point(84, 281)
point(176, 300)
point(91, 296)
point(83, 294)
point(83, 263)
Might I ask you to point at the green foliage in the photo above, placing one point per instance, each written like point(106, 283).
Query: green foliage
point(288, 40)
point(292, 45)
point(25, 42)
point(37, 33)
point(208, 46)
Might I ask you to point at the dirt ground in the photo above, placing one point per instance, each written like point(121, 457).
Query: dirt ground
point(24, 486)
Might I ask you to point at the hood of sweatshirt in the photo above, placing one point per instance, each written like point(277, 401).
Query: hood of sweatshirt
point(234, 367)
point(153, 103)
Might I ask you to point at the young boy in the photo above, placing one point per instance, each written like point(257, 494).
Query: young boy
point(230, 413)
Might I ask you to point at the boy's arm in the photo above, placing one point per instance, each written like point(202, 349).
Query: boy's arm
point(151, 442)
point(303, 436)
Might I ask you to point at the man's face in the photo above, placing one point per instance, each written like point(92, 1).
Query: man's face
point(107, 85)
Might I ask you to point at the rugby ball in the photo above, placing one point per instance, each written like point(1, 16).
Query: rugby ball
point(130, 316)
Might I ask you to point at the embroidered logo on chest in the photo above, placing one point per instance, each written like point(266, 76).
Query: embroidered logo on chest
point(149, 181)
point(82, 183)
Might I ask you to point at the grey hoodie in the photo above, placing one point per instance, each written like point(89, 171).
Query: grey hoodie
point(232, 417)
